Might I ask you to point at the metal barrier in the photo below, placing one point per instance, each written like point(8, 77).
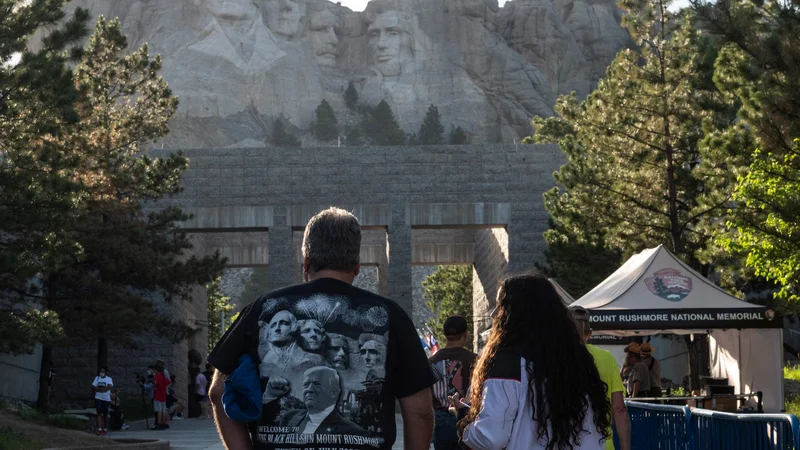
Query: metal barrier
point(710, 430)
point(658, 427)
point(666, 427)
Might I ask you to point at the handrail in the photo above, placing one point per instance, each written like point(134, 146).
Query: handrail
point(748, 423)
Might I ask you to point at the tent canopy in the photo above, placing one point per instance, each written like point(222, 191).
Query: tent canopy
point(654, 290)
point(565, 297)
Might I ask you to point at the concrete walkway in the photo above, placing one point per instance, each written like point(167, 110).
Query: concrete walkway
point(199, 434)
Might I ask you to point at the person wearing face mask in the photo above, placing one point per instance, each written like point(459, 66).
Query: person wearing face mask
point(101, 386)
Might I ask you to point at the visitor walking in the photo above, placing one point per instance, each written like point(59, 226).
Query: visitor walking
point(639, 378)
point(452, 366)
point(609, 373)
point(200, 394)
point(311, 384)
point(653, 367)
point(535, 385)
point(174, 404)
point(101, 385)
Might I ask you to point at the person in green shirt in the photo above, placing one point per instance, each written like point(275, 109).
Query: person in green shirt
point(609, 373)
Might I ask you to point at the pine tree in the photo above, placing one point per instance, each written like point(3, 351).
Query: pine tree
point(130, 260)
point(448, 291)
point(458, 136)
point(351, 97)
point(219, 308)
point(759, 67)
point(326, 127)
point(639, 168)
point(431, 132)
point(353, 137)
point(37, 192)
point(281, 137)
point(381, 127)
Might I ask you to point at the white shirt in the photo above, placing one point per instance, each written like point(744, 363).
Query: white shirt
point(201, 382)
point(315, 419)
point(506, 420)
point(103, 382)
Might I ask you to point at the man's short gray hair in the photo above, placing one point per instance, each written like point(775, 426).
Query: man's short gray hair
point(332, 241)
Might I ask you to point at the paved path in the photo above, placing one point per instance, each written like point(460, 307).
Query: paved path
point(199, 434)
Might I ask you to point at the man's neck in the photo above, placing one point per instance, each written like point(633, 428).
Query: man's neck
point(453, 344)
point(346, 277)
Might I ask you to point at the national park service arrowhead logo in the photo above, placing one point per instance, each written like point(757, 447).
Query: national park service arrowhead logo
point(669, 284)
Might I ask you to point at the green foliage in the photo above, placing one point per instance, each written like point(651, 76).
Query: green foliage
point(381, 128)
point(458, 136)
point(53, 420)
point(326, 128)
point(639, 173)
point(14, 440)
point(791, 373)
point(549, 130)
point(351, 97)
point(218, 306)
point(431, 132)
point(353, 137)
point(38, 194)
point(256, 286)
point(448, 291)
point(281, 137)
point(767, 225)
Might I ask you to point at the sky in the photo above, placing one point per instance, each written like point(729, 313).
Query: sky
point(359, 5)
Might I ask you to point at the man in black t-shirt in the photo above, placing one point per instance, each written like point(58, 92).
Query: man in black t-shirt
point(332, 358)
point(452, 366)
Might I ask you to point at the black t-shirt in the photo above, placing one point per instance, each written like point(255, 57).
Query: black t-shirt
point(332, 359)
point(452, 368)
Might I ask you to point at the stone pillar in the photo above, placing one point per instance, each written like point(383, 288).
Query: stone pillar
point(491, 264)
point(282, 264)
point(398, 252)
point(383, 279)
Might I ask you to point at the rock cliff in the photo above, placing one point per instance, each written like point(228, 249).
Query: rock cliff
point(238, 65)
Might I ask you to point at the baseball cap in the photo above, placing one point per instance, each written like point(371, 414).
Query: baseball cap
point(579, 313)
point(455, 325)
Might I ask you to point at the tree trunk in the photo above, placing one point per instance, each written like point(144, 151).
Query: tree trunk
point(102, 353)
point(43, 400)
point(698, 358)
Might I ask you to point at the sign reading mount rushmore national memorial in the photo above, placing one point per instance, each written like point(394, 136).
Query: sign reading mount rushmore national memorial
point(238, 65)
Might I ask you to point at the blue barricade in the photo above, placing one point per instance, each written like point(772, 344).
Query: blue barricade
point(658, 427)
point(710, 430)
point(665, 427)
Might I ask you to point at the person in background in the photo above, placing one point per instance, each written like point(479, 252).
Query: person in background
point(200, 394)
point(174, 404)
point(209, 373)
point(452, 366)
point(102, 385)
point(160, 383)
point(165, 371)
point(654, 367)
point(609, 373)
point(639, 379)
point(535, 385)
point(117, 417)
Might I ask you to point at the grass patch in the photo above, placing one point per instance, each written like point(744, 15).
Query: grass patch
point(791, 372)
point(53, 420)
point(792, 406)
point(12, 440)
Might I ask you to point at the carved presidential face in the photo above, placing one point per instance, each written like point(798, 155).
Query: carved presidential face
point(283, 16)
point(338, 353)
point(372, 352)
point(390, 42)
point(282, 327)
point(232, 9)
point(324, 41)
point(312, 335)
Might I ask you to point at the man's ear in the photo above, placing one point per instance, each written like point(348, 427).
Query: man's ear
point(357, 270)
point(306, 268)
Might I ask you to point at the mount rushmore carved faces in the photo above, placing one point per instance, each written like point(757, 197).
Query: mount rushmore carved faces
point(284, 16)
point(312, 335)
point(233, 10)
point(391, 43)
point(338, 352)
point(324, 40)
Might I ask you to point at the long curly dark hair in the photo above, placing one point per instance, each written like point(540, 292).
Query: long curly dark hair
point(563, 382)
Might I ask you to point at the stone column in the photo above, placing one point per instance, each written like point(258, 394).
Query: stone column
point(398, 252)
point(282, 264)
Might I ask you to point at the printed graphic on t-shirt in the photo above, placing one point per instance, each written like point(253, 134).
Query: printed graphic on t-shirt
point(323, 363)
point(450, 380)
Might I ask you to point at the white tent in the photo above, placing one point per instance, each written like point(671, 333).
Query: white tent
point(565, 297)
point(655, 292)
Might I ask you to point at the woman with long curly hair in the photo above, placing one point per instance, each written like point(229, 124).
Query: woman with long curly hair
point(535, 386)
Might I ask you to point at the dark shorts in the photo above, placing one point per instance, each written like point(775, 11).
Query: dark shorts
point(102, 407)
point(445, 430)
point(200, 398)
